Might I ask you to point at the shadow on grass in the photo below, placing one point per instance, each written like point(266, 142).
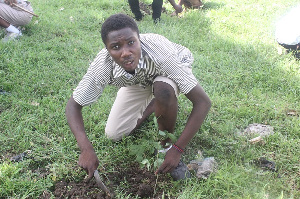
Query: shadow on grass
point(212, 5)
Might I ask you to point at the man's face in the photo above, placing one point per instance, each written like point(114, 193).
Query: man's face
point(124, 47)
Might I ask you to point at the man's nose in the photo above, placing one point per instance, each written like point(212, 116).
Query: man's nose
point(126, 52)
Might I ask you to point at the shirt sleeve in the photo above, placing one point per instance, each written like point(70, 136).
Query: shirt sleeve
point(94, 81)
point(173, 61)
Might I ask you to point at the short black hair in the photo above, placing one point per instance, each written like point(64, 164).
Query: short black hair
point(117, 22)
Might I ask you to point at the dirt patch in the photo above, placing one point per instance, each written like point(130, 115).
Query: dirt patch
point(83, 189)
point(139, 182)
point(142, 183)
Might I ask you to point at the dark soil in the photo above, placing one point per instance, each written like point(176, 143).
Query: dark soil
point(139, 182)
point(77, 190)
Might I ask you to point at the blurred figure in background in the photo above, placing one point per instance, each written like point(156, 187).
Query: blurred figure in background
point(156, 8)
point(11, 17)
point(287, 32)
point(188, 4)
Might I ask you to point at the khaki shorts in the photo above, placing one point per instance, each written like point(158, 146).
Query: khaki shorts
point(129, 106)
point(16, 16)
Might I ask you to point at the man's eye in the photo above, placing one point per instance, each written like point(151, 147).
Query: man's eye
point(116, 47)
point(131, 42)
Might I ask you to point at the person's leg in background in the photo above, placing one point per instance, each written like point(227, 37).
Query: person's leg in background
point(3, 23)
point(156, 8)
point(9, 18)
point(294, 49)
point(8, 26)
point(135, 9)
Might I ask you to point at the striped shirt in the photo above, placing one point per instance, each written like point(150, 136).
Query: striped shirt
point(159, 57)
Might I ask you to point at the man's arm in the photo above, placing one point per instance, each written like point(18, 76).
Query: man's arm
point(177, 7)
point(201, 106)
point(87, 159)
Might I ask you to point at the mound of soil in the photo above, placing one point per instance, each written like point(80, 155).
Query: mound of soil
point(140, 182)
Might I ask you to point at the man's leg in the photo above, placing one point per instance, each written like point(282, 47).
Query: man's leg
point(135, 8)
point(149, 110)
point(166, 107)
point(129, 110)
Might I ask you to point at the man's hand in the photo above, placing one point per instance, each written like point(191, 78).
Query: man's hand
point(10, 2)
point(178, 9)
point(88, 160)
point(171, 161)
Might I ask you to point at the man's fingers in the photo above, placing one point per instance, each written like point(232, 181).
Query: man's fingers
point(167, 169)
point(88, 171)
point(159, 170)
point(90, 174)
point(163, 169)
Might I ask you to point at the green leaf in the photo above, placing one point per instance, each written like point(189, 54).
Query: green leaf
point(158, 162)
point(145, 161)
point(139, 158)
point(162, 133)
point(172, 137)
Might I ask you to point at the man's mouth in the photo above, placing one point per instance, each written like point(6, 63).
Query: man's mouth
point(128, 62)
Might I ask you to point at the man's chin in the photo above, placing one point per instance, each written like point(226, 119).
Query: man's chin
point(130, 71)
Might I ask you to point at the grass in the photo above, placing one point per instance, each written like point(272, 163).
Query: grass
point(236, 61)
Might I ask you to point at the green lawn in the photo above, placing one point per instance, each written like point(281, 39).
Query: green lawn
point(236, 62)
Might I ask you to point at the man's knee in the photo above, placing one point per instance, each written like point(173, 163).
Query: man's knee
point(164, 93)
point(116, 134)
point(112, 136)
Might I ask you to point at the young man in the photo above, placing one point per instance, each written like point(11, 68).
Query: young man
point(11, 17)
point(151, 71)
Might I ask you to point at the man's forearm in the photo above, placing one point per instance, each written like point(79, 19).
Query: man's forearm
point(88, 159)
point(201, 106)
point(75, 121)
point(193, 125)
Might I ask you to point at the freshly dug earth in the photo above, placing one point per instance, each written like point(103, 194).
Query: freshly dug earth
point(141, 183)
point(78, 190)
